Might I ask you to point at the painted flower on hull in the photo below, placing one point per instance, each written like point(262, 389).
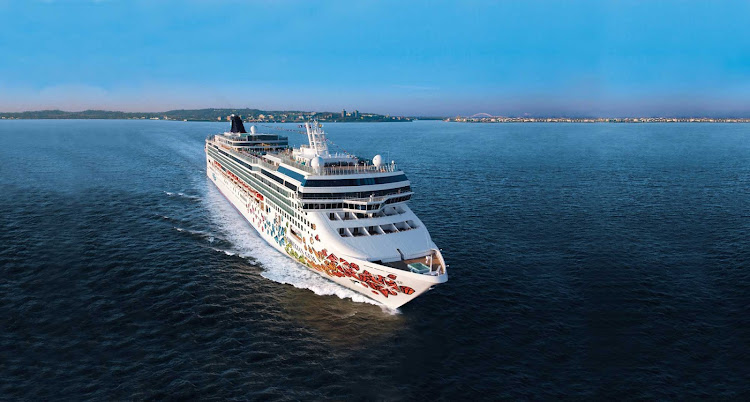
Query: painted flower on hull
point(334, 266)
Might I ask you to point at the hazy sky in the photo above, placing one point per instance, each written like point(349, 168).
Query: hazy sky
point(597, 58)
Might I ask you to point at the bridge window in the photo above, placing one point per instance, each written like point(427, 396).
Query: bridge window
point(366, 181)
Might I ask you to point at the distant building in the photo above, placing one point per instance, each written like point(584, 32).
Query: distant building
point(343, 113)
point(356, 113)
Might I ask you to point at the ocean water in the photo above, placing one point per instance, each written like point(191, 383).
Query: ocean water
point(586, 261)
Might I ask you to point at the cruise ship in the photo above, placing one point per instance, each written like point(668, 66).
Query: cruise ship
point(346, 218)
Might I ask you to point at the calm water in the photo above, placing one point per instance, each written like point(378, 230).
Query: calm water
point(585, 261)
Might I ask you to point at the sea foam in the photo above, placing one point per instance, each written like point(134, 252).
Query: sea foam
point(247, 243)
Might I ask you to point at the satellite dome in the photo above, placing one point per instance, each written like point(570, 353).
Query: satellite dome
point(252, 129)
point(377, 160)
point(317, 163)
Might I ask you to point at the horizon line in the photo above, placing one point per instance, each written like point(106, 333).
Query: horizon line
point(442, 116)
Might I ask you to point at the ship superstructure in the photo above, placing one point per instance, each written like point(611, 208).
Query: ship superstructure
point(341, 216)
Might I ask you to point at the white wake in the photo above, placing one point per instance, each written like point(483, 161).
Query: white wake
point(247, 243)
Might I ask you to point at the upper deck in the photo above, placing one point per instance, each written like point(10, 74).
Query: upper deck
point(311, 177)
point(313, 159)
point(287, 157)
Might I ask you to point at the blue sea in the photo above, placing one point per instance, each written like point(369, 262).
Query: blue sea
point(587, 261)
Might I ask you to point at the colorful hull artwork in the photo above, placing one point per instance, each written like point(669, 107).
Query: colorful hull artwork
point(389, 286)
point(332, 266)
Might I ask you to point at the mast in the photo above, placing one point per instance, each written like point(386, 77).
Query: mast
point(317, 138)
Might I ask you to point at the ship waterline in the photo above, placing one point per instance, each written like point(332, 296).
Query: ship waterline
point(342, 217)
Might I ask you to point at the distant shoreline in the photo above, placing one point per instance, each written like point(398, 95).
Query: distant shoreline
point(497, 120)
point(509, 121)
point(249, 115)
point(264, 116)
point(207, 121)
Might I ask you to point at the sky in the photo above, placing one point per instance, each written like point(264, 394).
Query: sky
point(509, 58)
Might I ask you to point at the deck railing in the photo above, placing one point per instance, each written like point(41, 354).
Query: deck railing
point(287, 159)
point(254, 159)
point(341, 170)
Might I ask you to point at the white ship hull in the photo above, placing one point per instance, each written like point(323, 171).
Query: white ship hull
point(389, 286)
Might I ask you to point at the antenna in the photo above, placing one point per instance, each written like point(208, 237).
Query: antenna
point(317, 138)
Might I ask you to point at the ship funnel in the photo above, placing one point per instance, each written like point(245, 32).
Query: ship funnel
point(237, 126)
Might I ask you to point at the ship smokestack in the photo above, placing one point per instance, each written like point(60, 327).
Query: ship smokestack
point(237, 126)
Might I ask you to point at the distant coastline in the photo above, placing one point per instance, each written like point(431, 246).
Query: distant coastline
point(500, 119)
point(287, 116)
point(250, 115)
